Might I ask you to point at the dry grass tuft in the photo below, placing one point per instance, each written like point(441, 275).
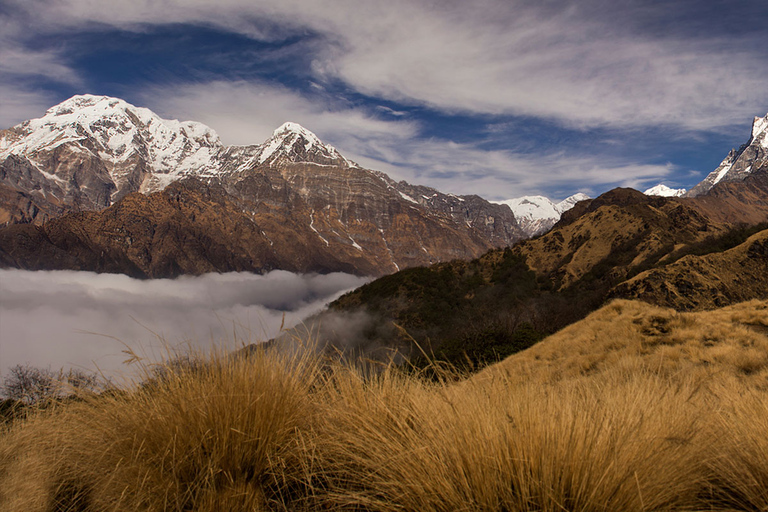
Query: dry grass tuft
point(202, 436)
point(636, 408)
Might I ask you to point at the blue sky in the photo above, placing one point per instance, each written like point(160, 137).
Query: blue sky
point(500, 98)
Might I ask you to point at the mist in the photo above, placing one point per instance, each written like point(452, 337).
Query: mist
point(68, 319)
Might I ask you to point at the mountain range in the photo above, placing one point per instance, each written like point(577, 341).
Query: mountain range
point(68, 197)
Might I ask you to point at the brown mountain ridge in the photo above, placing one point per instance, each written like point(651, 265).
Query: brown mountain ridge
point(666, 251)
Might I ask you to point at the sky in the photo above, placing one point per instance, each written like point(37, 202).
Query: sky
point(88, 321)
point(500, 98)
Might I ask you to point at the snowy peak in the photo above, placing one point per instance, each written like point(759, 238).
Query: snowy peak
point(740, 162)
point(291, 142)
point(664, 191)
point(569, 202)
point(537, 214)
point(760, 130)
point(115, 131)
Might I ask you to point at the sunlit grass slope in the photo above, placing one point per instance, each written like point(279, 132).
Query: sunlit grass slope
point(634, 408)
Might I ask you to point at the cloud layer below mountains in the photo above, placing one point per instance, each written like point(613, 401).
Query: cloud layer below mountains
point(86, 320)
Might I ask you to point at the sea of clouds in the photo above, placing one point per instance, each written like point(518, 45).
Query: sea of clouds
point(69, 319)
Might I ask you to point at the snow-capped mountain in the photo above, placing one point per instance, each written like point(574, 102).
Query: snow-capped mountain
point(290, 202)
point(741, 162)
point(94, 150)
point(665, 191)
point(537, 214)
point(294, 143)
point(107, 148)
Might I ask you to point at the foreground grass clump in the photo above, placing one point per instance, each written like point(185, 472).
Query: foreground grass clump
point(665, 428)
point(200, 436)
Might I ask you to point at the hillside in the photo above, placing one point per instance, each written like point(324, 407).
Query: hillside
point(633, 336)
point(482, 310)
point(705, 282)
point(634, 408)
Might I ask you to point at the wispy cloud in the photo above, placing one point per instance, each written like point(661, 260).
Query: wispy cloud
point(248, 112)
point(580, 64)
point(18, 103)
point(82, 319)
point(21, 72)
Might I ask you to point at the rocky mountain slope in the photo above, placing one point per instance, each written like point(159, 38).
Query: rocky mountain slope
point(537, 214)
point(302, 196)
point(741, 162)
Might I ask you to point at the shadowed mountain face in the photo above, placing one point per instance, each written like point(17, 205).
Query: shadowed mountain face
point(690, 253)
point(292, 202)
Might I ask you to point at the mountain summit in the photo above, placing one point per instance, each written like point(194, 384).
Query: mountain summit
point(294, 143)
point(664, 191)
point(93, 150)
point(741, 162)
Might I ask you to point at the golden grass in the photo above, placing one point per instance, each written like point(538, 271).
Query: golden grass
point(636, 408)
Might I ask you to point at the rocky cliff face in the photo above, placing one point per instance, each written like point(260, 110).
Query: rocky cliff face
point(741, 162)
point(308, 206)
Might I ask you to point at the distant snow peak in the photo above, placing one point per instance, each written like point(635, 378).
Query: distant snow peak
point(665, 191)
point(569, 202)
point(537, 214)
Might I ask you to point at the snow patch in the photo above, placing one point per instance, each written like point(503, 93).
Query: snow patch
point(665, 191)
point(312, 227)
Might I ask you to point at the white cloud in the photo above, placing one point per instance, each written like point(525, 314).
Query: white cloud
point(85, 320)
point(247, 113)
point(18, 104)
point(15, 60)
point(499, 175)
point(20, 70)
point(564, 61)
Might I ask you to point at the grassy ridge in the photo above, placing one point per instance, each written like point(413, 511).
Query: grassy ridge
point(472, 313)
point(650, 426)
